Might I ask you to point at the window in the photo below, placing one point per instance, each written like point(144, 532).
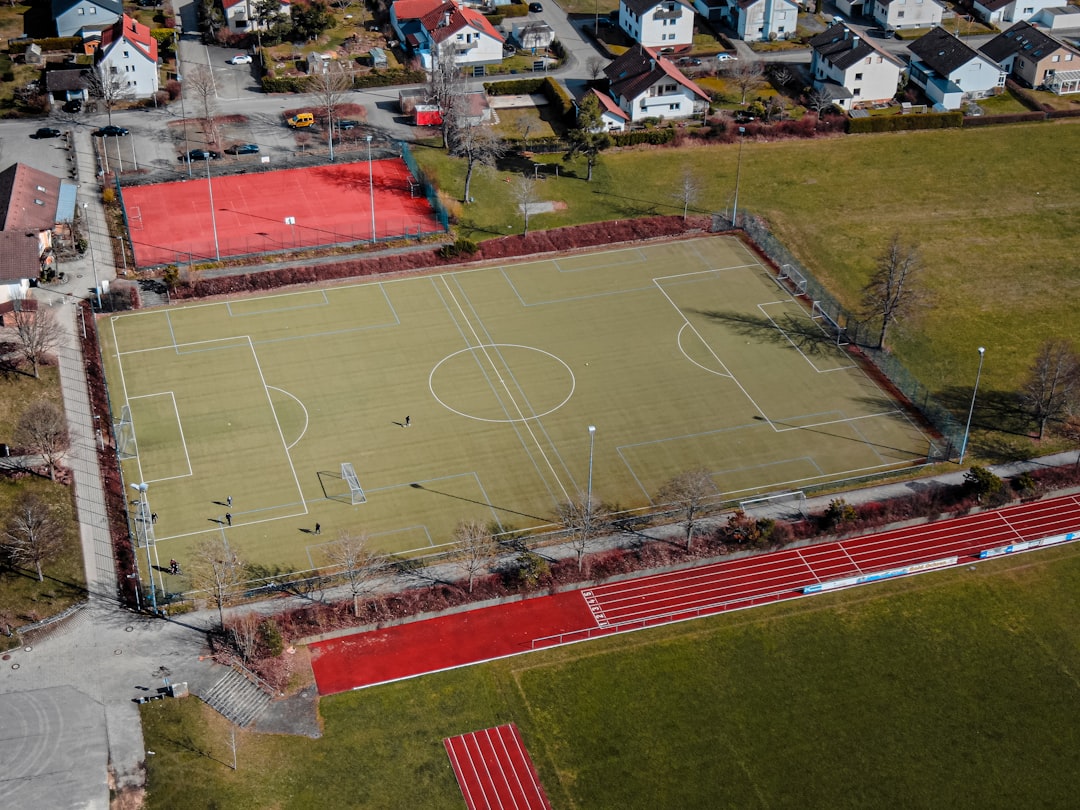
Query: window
point(93, 10)
point(858, 77)
point(856, 92)
point(673, 107)
point(780, 30)
point(1068, 57)
point(82, 10)
point(899, 15)
point(1056, 58)
point(127, 54)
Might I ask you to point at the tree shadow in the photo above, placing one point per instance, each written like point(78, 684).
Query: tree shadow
point(478, 503)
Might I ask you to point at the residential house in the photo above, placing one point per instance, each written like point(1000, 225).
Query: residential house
point(901, 14)
point(950, 72)
point(241, 16)
point(664, 24)
point(66, 85)
point(1057, 18)
point(1005, 12)
point(320, 62)
point(851, 69)
point(762, 20)
point(71, 16)
point(711, 10)
point(644, 84)
point(429, 28)
point(613, 118)
point(1032, 55)
point(33, 204)
point(129, 57)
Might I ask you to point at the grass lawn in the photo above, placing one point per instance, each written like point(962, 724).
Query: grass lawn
point(954, 689)
point(1002, 104)
point(993, 225)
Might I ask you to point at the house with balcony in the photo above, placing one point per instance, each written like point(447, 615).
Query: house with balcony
point(662, 24)
point(851, 69)
point(950, 72)
point(762, 20)
point(644, 84)
point(900, 14)
point(71, 16)
point(429, 28)
point(1035, 58)
point(1005, 12)
point(128, 56)
point(242, 16)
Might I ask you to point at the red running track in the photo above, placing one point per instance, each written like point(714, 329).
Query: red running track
point(407, 650)
point(495, 771)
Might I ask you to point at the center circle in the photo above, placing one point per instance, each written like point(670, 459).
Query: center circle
point(501, 382)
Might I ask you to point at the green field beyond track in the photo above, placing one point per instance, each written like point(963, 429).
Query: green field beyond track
point(684, 355)
point(953, 689)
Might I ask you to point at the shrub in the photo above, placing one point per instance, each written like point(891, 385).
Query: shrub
point(530, 569)
point(983, 485)
point(108, 195)
point(654, 137)
point(558, 97)
point(838, 513)
point(514, 87)
point(460, 247)
point(270, 636)
point(903, 123)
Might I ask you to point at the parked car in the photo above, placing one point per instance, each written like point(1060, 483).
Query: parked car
point(47, 132)
point(301, 120)
point(200, 154)
point(689, 61)
point(348, 124)
point(535, 8)
point(243, 149)
point(73, 106)
point(240, 59)
point(726, 57)
point(111, 131)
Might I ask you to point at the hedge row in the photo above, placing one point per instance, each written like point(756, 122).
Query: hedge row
point(1004, 118)
point(654, 137)
point(558, 97)
point(558, 239)
point(377, 78)
point(66, 44)
point(903, 123)
point(514, 87)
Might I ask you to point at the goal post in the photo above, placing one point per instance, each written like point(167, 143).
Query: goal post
point(778, 505)
point(356, 492)
point(124, 431)
point(829, 324)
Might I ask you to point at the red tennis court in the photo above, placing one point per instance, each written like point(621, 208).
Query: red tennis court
point(417, 648)
point(494, 770)
point(263, 212)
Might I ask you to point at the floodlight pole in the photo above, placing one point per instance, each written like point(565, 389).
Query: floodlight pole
point(371, 187)
point(738, 177)
point(183, 115)
point(971, 410)
point(213, 217)
point(123, 252)
point(592, 444)
point(93, 259)
point(142, 520)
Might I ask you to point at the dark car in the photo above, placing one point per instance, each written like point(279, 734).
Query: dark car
point(47, 132)
point(347, 124)
point(243, 149)
point(535, 8)
point(200, 154)
point(690, 61)
point(73, 106)
point(111, 131)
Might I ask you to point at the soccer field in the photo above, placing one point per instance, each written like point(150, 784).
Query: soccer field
point(683, 355)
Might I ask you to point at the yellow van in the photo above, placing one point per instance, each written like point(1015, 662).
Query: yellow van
point(301, 120)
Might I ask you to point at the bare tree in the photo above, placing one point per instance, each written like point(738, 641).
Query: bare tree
point(690, 492)
point(819, 101)
point(523, 190)
point(244, 632)
point(358, 563)
point(688, 191)
point(200, 81)
point(774, 108)
point(217, 568)
point(594, 65)
point(1052, 388)
point(32, 536)
point(446, 86)
point(41, 429)
point(475, 548)
point(475, 143)
point(893, 290)
point(583, 519)
point(37, 333)
point(105, 83)
point(746, 75)
point(522, 125)
point(780, 74)
point(1070, 429)
point(330, 87)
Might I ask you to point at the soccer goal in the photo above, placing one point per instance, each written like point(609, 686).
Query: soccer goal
point(356, 492)
point(829, 325)
point(124, 431)
point(778, 505)
point(796, 280)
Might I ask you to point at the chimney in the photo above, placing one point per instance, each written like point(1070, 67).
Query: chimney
point(445, 19)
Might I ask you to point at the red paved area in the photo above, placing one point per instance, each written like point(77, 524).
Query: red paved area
point(495, 771)
point(365, 659)
point(329, 205)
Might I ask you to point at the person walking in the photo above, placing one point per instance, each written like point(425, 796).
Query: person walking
point(318, 529)
point(229, 500)
point(408, 421)
point(228, 518)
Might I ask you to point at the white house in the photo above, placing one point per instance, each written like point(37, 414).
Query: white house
point(241, 16)
point(762, 20)
point(429, 28)
point(950, 72)
point(658, 23)
point(129, 57)
point(1057, 18)
point(851, 69)
point(1005, 12)
point(72, 15)
point(646, 85)
point(613, 118)
point(900, 14)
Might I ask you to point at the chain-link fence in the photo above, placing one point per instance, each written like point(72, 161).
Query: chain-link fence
point(798, 280)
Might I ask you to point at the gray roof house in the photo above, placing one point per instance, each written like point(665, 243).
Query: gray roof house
point(71, 16)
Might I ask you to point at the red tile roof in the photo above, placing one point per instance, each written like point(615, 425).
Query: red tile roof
point(640, 68)
point(415, 9)
point(135, 33)
point(28, 198)
point(446, 20)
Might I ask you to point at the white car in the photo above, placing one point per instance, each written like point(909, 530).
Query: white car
point(726, 57)
point(240, 59)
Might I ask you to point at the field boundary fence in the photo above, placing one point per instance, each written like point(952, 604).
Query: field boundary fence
point(801, 283)
point(426, 186)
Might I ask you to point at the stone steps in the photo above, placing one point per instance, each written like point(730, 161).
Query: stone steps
point(236, 698)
